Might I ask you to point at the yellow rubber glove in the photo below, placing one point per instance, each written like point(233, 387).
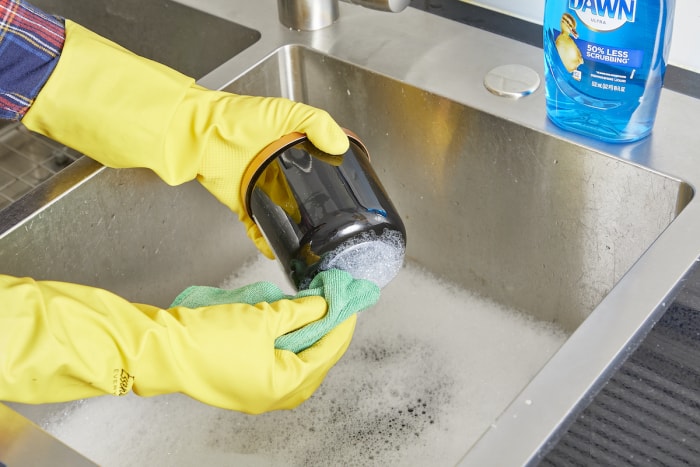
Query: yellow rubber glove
point(60, 342)
point(126, 111)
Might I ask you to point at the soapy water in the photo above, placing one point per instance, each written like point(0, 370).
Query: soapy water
point(429, 369)
point(369, 256)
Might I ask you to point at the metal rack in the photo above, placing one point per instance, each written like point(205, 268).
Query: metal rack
point(26, 160)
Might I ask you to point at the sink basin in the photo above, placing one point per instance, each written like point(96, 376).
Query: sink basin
point(537, 259)
point(533, 227)
point(535, 222)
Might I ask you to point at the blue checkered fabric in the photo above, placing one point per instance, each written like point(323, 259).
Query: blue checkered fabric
point(30, 45)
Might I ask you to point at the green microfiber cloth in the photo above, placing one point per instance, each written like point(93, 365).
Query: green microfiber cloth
point(345, 296)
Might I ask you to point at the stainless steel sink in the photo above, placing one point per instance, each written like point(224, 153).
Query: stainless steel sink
point(588, 237)
point(530, 220)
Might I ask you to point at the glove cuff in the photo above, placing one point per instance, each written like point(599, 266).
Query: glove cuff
point(112, 105)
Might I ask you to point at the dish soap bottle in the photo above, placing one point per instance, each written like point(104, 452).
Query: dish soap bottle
point(605, 62)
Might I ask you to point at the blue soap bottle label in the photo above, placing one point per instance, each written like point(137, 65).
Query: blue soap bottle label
point(604, 65)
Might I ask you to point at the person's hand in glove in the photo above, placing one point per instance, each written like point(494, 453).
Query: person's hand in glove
point(61, 342)
point(126, 111)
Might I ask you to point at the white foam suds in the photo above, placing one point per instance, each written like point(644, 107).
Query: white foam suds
point(429, 369)
point(368, 256)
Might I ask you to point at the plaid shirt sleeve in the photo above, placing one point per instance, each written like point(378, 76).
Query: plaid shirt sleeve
point(30, 45)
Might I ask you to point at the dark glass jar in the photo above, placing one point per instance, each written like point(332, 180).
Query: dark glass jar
point(319, 211)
